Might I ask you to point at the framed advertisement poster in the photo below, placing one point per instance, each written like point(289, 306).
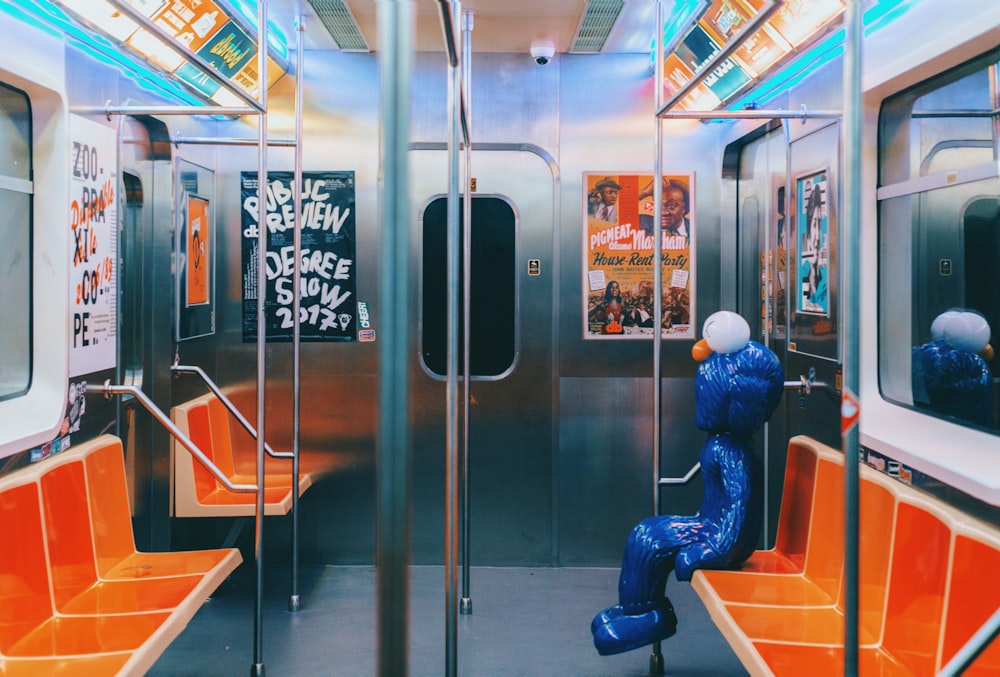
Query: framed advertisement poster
point(813, 261)
point(195, 243)
point(328, 299)
point(618, 253)
point(199, 250)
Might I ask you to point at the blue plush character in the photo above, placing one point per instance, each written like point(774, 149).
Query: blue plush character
point(738, 386)
point(950, 374)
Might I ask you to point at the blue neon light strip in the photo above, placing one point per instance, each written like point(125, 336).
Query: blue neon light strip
point(55, 21)
point(275, 38)
point(681, 17)
point(830, 48)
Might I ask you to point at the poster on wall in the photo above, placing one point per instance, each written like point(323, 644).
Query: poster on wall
point(813, 265)
point(618, 253)
point(328, 303)
point(93, 219)
point(199, 243)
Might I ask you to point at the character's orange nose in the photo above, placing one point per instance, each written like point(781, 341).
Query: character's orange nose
point(700, 351)
point(987, 353)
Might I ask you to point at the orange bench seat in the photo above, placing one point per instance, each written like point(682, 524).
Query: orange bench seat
point(197, 493)
point(59, 612)
point(923, 583)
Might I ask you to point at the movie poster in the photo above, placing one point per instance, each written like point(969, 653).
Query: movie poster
point(813, 269)
point(328, 303)
point(618, 253)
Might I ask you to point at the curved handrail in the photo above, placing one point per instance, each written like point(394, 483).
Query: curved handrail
point(198, 371)
point(108, 390)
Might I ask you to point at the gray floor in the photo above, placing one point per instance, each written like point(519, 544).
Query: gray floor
point(525, 622)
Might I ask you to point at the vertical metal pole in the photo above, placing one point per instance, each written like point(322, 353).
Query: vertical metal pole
point(257, 670)
point(850, 250)
point(294, 601)
point(451, 435)
point(465, 605)
point(656, 657)
point(392, 543)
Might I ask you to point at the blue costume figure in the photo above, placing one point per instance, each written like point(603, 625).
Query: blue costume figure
point(737, 387)
point(950, 375)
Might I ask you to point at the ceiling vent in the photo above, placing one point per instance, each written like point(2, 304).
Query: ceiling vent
point(340, 23)
point(595, 26)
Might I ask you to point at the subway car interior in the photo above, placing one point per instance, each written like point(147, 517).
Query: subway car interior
point(330, 340)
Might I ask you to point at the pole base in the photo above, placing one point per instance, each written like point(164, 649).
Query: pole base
point(656, 663)
point(294, 603)
point(465, 606)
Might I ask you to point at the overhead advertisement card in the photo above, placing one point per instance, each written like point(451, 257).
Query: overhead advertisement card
point(328, 298)
point(619, 251)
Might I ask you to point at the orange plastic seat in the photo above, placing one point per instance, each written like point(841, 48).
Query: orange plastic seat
point(789, 552)
point(75, 584)
point(818, 583)
point(58, 614)
point(29, 626)
point(117, 557)
point(197, 493)
point(974, 591)
point(103, 665)
point(926, 585)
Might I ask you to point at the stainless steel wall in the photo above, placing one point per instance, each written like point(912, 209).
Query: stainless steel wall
point(561, 457)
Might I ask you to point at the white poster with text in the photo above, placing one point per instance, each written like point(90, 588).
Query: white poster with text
point(93, 220)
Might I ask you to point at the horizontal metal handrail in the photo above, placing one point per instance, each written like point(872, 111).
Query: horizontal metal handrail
point(108, 390)
point(682, 480)
point(198, 371)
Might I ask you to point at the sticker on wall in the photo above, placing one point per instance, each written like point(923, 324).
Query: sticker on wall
point(93, 220)
point(619, 249)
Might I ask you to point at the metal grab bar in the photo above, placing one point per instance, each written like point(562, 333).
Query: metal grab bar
point(108, 390)
point(681, 480)
point(198, 371)
point(805, 384)
point(965, 656)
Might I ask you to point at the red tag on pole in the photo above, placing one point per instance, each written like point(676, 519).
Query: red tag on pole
point(849, 411)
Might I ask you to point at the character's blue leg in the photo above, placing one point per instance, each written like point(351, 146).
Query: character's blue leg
point(643, 615)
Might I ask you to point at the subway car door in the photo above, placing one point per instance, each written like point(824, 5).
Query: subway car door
point(144, 336)
point(511, 357)
point(762, 280)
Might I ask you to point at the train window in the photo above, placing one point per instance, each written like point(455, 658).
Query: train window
point(939, 246)
point(15, 255)
point(493, 288)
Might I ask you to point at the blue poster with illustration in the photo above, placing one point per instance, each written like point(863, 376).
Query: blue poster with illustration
point(813, 222)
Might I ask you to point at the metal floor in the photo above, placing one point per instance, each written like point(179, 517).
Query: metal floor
point(525, 622)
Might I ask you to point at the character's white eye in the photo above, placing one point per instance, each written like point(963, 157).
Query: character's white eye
point(937, 326)
point(726, 332)
point(967, 331)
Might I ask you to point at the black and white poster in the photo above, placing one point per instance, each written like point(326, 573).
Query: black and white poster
point(328, 303)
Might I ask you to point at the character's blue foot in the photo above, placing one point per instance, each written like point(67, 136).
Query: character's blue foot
point(616, 632)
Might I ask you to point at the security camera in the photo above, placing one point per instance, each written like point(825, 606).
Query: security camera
point(542, 51)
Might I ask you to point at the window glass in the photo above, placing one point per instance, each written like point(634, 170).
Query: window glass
point(493, 288)
point(939, 246)
point(15, 253)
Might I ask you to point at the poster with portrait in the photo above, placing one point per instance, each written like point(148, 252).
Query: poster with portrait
point(813, 261)
point(328, 303)
point(619, 251)
point(198, 251)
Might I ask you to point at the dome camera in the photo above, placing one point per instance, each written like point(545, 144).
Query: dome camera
point(542, 51)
